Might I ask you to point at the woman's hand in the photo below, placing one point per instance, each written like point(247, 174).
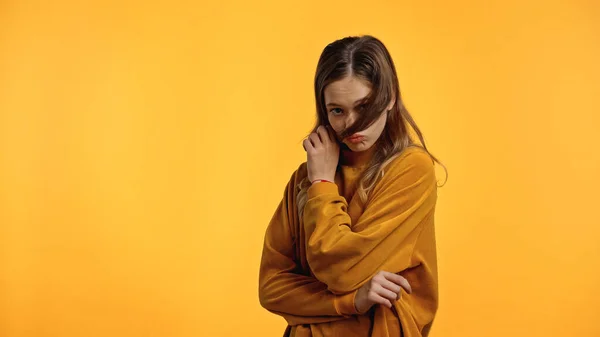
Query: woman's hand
point(323, 154)
point(384, 288)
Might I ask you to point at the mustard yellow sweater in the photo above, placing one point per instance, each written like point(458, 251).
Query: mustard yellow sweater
point(311, 269)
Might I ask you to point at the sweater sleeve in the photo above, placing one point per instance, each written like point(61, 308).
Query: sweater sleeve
point(344, 255)
point(283, 288)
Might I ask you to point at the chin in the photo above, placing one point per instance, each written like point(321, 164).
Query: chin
point(362, 146)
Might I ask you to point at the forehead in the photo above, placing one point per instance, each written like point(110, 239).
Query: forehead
point(346, 91)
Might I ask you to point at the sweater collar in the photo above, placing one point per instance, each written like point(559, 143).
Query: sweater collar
point(361, 159)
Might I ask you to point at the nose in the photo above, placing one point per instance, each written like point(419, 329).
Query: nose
point(350, 119)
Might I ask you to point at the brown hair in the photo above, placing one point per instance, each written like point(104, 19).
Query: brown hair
point(367, 58)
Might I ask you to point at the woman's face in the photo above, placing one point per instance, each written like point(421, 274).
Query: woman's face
point(343, 102)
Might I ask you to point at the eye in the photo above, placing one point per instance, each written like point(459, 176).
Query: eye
point(336, 111)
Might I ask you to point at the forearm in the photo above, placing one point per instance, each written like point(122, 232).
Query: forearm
point(303, 299)
point(343, 254)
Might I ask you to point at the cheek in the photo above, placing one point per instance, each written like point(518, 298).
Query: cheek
point(380, 126)
point(335, 124)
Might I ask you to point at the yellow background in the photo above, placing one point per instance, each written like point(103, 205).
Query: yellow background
point(144, 146)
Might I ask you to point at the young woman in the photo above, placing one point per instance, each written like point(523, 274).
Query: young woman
point(350, 251)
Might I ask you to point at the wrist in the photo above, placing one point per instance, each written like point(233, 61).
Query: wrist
point(317, 188)
point(344, 304)
point(316, 181)
point(360, 301)
point(357, 307)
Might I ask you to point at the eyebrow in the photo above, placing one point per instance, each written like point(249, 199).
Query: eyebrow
point(357, 101)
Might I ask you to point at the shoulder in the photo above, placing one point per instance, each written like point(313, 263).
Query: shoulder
point(412, 159)
point(410, 175)
point(298, 175)
point(301, 172)
point(411, 165)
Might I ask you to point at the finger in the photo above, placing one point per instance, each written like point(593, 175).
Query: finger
point(307, 145)
point(314, 139)
point(323, 134)
point(376, 298)
point(331, 133)
point(387, 284)
point(385, 293)
point(399, 280)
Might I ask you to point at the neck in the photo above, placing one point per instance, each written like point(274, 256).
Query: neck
point(356, 159)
